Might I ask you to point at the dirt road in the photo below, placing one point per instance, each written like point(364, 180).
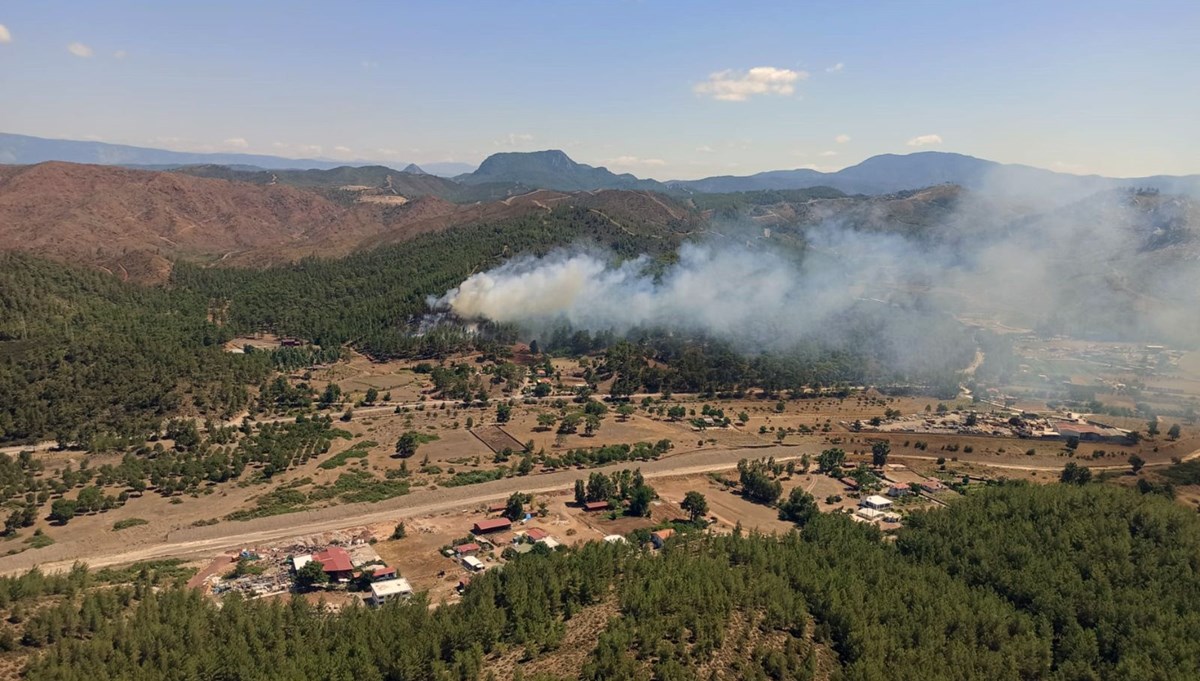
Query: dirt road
point(204, 542)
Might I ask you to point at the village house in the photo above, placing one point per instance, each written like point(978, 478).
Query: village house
point(389, 589)
point(660, 537)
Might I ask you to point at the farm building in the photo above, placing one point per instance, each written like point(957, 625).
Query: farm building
point(899, 489)
point(497, 508)
point(1089, 432)
point(660, 537)
point(549, 542)
point(390, 589)
point(850, 482)
point(931, 486)
point(336, 562)
point(536, 533)
point(472, 563)
point(300, 561)
point(595, 506)
point(876, 502)
point(491, 525)
point(467, 549)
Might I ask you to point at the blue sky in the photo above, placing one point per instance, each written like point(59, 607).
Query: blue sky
point(660, 89)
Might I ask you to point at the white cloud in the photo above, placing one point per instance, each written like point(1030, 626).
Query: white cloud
point(924, 140)
point(704, 149)
point(738, 86)
point(237, 142)
point(309, 149)
point(841, 139)
point(835, 68)
point(342, 149)
point(80, 50)
point(514, 139)
point(828, 153)
point(634, 162)
point(119, 54)
point(5, 36)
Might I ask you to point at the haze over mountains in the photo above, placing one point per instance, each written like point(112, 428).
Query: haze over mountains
point(553, 169)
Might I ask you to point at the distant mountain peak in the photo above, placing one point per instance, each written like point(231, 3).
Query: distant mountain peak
point(552, 169)
point(413, 169)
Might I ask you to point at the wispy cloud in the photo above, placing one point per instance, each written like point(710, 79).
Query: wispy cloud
point(80, 50)
point(924, 140)
point(841, 139)
point(634, 162)
point(704, 149)
point(835, 68)
point(119, 54)
point(514, 139)
point(237, 142)
point(829, 153)
point(738, 86)
point(342, 149)
point(5, 36)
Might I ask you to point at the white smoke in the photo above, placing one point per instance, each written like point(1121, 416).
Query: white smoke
point(1069, 265)
point(731, 291)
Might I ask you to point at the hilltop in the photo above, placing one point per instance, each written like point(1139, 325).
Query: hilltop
point(553, 169)
point(134, 222)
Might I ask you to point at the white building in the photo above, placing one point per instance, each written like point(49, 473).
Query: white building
point(472, 563)
point(876, 502)
point(300, 561)
point(382, 592)
point(868, 513)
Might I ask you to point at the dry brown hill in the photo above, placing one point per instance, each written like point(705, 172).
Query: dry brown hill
point(134, 222)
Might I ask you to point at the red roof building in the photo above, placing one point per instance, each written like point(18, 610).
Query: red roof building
point(491, 525)
point(537, 534)
point(382, 572)
point(336, 562)
point(497, 508)
point(464, 549)
point(660, 537)
point(595, 506)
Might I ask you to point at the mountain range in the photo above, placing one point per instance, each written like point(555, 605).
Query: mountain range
point(509, 173)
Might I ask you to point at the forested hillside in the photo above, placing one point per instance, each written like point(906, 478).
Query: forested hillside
point(1016, 582)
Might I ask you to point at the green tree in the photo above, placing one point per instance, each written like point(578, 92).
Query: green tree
point(695, 504)
point(1136, 463)
point(62, 510)
point(1074, 474)
point(831, 460)
point(400, 532)
point(407, 444)
point(640, 498)
point(372, 396)
point(879, 453)
point(625, 411)
point(1152, 427)
point(514, 508)
point(503, 412)
point(312, 574)
point(1174, 431)
point(799, 508)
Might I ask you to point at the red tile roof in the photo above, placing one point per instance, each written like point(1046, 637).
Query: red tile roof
point(537, 533)
point(466, 548)
point(382, 571)
point(334, 559)
point(595, 506)
point(492, 524)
